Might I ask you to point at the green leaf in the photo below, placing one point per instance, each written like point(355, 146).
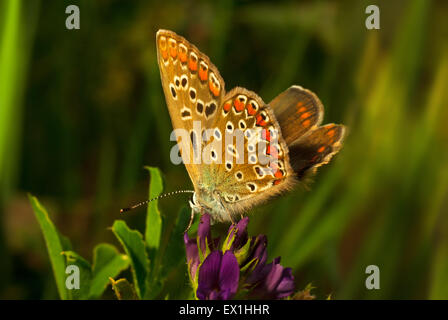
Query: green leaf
point(123, 289)
point(153, 218)
point(85, 275)
point(54, 245)
point(107, 263)
point(134, 246)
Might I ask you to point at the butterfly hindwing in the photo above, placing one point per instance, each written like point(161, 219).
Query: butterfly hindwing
point(315, 148)
point(298, 111)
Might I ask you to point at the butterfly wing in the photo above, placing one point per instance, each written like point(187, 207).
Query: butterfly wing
point(316, 149)
point(193, 91)
point(299, 113)
point(195, 94)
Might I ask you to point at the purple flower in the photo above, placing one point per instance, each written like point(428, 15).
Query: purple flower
point(215, 275)
point(276, 282)
point(257, 260)
point(218, 276)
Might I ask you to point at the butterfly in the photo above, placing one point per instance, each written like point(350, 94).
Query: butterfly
point(232, 179)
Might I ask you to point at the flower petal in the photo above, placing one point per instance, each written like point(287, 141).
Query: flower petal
point(276, 282)
point(286, 286)
point(191, 250)
point(259, 252)
point(237, 234)
point(229, 274)
point(208, 280)
point(274, 277)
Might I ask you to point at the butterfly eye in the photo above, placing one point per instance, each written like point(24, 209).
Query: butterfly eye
point(193, 201)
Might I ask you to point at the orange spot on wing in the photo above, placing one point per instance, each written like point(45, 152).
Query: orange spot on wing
point(213, 88)
point(164, 54)
point(321, 149)
point(193, 64)
point(203, 74)
point(260, 121)
point(331, 133)
point(278, 174)
point(306, 123)
point(239, 106)
point(276, 182)
point(305, 115)
point(250, 110)
point(173, 51)
point(162, 47)
point(266, 135)
point(182, 56)
point(302, 109)
point(227, 106)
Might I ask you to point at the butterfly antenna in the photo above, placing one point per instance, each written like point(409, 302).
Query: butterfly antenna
point(156, 198)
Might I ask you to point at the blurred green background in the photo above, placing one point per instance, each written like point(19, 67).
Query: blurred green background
point(82, 111)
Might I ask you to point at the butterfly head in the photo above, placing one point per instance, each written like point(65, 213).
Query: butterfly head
point(210, 202)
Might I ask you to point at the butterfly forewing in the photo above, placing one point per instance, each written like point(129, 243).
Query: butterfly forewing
point(193, 90)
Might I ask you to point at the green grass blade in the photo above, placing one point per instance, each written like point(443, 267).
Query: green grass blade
point(54, 245)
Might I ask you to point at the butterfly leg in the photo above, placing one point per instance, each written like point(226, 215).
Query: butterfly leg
point(230, 216)
point(191, 221)
point(228, 212)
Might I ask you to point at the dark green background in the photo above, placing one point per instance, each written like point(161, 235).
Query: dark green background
point(82, 111)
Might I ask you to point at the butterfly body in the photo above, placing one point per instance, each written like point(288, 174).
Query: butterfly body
point(232, 142)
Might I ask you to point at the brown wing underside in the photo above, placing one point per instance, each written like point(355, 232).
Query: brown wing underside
point(299, 113)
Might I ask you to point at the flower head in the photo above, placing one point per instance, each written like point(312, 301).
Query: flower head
point(240, 263)
point(275, 282)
